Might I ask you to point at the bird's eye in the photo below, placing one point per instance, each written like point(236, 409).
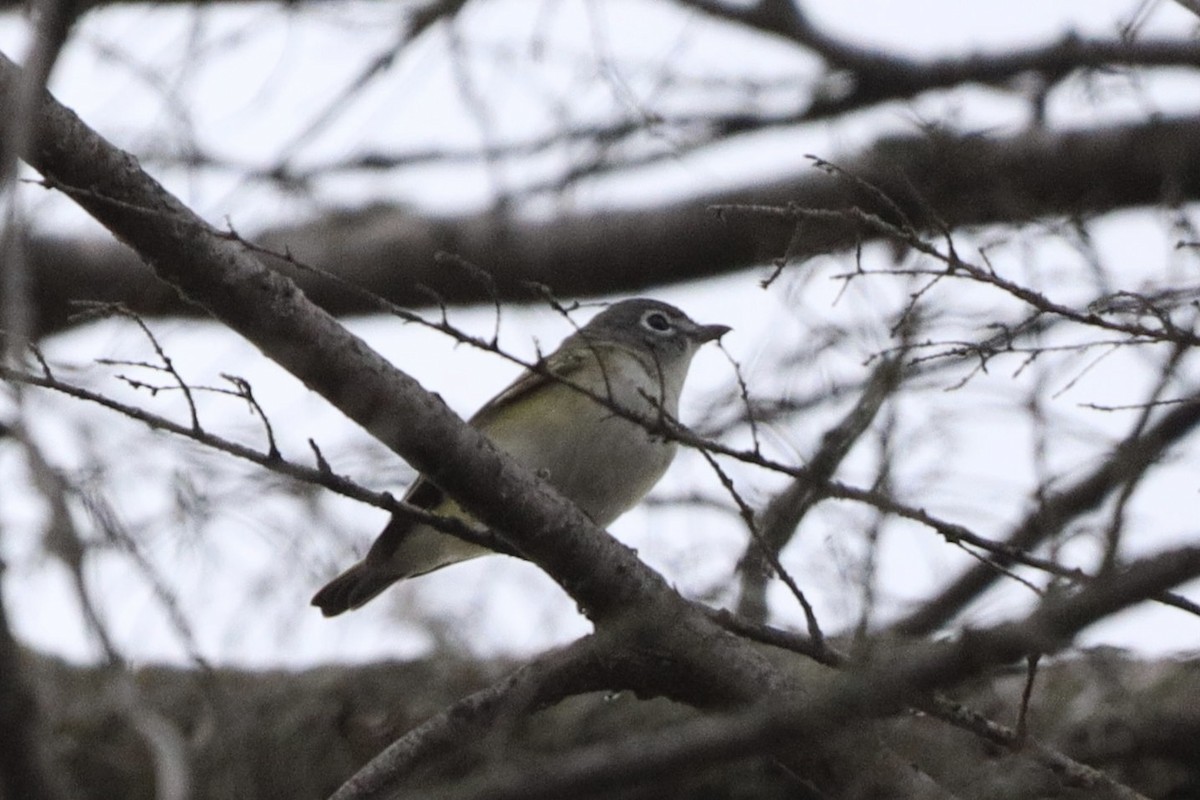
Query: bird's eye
point(657, 321)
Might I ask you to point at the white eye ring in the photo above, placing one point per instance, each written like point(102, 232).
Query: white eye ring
point(656, 321)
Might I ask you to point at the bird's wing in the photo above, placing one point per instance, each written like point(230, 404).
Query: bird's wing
point(422, 494)
point(560, 364)
point(425, 494)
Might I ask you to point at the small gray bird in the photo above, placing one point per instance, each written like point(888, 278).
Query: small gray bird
point(636, 354)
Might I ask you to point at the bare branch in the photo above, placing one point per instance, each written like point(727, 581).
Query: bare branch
point(389, 251)
point(781, 517)
point(867, 693)
point(1131, 458)
point(463, 726)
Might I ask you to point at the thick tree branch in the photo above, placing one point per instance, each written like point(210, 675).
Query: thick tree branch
point(468, 723)
point(897, 678)
point(300, 732)
point(875, 76)
point(473, 727)
point(932, 179)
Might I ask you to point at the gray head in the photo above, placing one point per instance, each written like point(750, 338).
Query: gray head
point(668, 332)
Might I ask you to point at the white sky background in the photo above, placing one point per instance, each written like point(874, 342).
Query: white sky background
point(243, 81)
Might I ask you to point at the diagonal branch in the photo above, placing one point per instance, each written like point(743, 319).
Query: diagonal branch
point(575, 669)
point(1130, 459)
point(898, 679)
point(782, 515)
point(390, 251)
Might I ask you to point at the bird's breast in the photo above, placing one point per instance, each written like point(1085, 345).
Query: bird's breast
point(601, 460)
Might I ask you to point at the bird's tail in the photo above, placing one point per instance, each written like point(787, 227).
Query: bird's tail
point(354, 587)
point(420, 551)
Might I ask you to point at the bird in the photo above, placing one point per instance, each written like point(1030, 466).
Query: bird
point(634, 355)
